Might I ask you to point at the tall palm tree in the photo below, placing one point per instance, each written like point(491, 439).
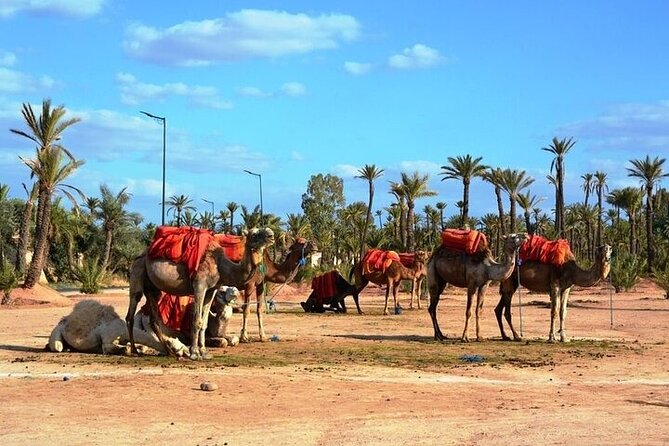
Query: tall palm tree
point(650, 173)
point(528, 203)
point(600, 187)
point(415, 186)
point(24, 229)
point(495, 176)
point(397, 189)
point(370, 173)
point(111, 211)
point(629, 200)
point(514, 182)
point(232, 207)
point(463, 168)
point(441, 206)
point(178, 204)
point(559, 148)
point(588, 186)
point(223, 217)
point(50, 167)
point(298, 225)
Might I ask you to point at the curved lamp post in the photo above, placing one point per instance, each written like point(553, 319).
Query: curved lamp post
point(164, 122)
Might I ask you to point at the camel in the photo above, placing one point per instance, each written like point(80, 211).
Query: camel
point(150, 276)
point(391, 277)
point(93, 327)
point(554, 280)
point(417, 278)
point(473, 272)
point(335, 302)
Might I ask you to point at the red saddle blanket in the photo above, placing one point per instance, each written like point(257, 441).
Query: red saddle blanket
point(540, 249)
point(408, 259)
point(233, 246)
point(174, 313)
point(464, 240)
point(325, 285)
point(184, 244)
point(378, 260)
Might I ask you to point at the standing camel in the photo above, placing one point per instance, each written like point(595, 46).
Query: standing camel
point(419, 273)
point(391, 277)
point(473, 272)
point(557, 282)
point(149, 276)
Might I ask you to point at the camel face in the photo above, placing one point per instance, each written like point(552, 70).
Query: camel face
point(257, 241)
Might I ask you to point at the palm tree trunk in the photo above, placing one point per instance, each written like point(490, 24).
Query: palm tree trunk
point(500, 210)
point(411, 245)
point(108, 246)
point(41, 240)
point(465, 204)
point(24, 236)
point(649, 227)
point(363, 239)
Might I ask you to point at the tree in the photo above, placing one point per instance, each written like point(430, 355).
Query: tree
point(324, 196)
point(600, 187)
point(650, 173)
point(52, 164)
point(495, 176)
point(528, 202)
point(464, 168)
point(25, 228)
point(559, 148)
point(514, 182)
point(398, 191)
point(178, 204)
point(629, 199)
point(232, 207)
point(415, 186)
point(441, 206)
point(113, 215)
point(297, 225)
point(588, 186)
point(369, 173)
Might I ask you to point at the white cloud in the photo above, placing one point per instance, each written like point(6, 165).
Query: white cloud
point(252, 92)
point(357, 68)
point(243, 35)
point(134, 92)
point(7, 59)
point(418, 56)
point(12, 81)
point(296, 156)
point(345, 170)
point(65, 8)
point(293, 89)
point(420, 166)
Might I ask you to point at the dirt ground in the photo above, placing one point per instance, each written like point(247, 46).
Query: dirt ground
point(340, 379)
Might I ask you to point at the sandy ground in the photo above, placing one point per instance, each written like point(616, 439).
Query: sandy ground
point(369, 379)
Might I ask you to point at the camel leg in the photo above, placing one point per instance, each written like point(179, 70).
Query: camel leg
point(395, 286)
point(137, 281)
point(157, 325)
point(244, 334)
point(564, 299)
point(554, 313)
point(415, 289)
point(260, 310)
point(357, 291)
point(385, 307)
point(56, 341)
point(480, 297)
point(435, 290)
point(468, 313)
point(145, 337)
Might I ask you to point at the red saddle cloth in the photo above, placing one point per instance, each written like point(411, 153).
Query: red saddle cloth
point(540, 249)
point(325, 285)
point(184, 244)
point(174, 315)
point(408, 259)
point(378, 260)
point(233, 246)
point(464, 240)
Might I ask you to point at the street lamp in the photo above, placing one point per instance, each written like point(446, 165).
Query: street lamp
point(211, 203)
point(164, 122)
point(260, 179)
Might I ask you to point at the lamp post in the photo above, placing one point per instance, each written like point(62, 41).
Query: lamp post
point(260, 179)
point(164, 122)
point(211, 203)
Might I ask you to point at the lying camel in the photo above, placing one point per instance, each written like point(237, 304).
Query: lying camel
point(335, 302)
point(93, 327)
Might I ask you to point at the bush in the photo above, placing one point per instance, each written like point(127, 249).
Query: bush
point(661, 278)
point(9, 279)
point(626, 271)
point(90, 274)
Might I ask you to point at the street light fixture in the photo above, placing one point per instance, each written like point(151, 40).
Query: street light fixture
point(260, 179)
point(164, 122)
point(211, 203)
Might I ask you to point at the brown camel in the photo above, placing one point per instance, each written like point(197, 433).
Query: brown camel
point(391, 277)
point(149, 277)
point(410, 260)
point(473, 272)
point(554, 280)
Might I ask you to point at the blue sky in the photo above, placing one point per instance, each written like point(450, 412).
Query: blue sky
point(293, 89)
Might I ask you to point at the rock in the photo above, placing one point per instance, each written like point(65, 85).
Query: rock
point(208, 387)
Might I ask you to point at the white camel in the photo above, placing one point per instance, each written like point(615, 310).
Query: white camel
point(93, 327)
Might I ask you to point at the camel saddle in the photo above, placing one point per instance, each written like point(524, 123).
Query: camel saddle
point(464, 240)
point(184, 244)
point(407, 259)
point(540, 249)
point(324, 286)
point(233, 246)
point(377, 260)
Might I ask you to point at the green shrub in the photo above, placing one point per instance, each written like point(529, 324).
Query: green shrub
point(90, 274)
point(9, 279)
point(626, 271)
point(661, 278)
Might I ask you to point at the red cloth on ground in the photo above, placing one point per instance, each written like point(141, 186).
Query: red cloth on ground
point(173, 314)
point(183, 244)
point(464, 240)
point(324, 286)
point(538, 248)
point(378, 260)
point(233, 246)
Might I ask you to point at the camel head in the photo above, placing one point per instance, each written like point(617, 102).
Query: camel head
point(257, 239)
point(603, 259)
point(306, 247)
point(226, 295)
point(513, 241)
point(421, 256)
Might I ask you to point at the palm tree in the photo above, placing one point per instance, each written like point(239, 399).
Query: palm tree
point(298, 225)
point(415, 186)
point(398, 191)
point(441, 206)
point(24, 229)
point(110, 210)
point(369, 173)
point(495, 176)
point(559, 148)
point(650, 173)
point(514, 182)
point(528, 203)
point(629, 200)
point(223, 217)
point(232, 207)
point(600, 186)
point(178, 204)
point(588, 186)
point(50, 168)
point(464, 168)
